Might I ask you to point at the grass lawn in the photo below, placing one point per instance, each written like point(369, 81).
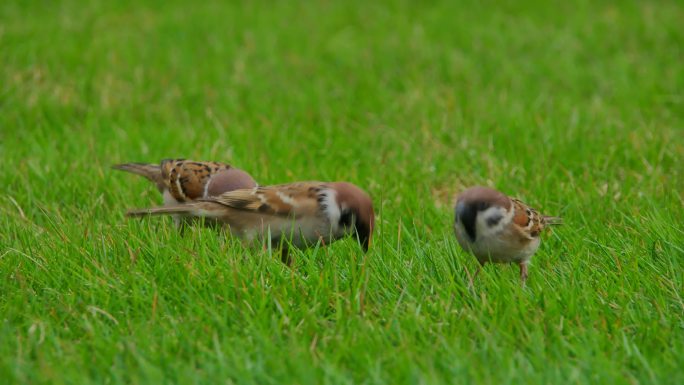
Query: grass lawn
point(575, 107)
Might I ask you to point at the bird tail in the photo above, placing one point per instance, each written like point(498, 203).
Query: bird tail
point(195, 209)
point(152, 172)
point(553, 221)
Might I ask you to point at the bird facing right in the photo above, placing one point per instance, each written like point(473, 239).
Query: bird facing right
point(499, 229)
point(303, 213)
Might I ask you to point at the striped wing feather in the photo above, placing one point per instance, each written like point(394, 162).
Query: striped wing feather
point(186, 179)
point(528, 219)
point(295, 199)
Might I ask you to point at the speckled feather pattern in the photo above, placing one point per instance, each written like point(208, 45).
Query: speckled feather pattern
point(527, 219)
point(305, 211)
point(303, 198)
point(496, 228)
point(182, 180)
point(186, 179)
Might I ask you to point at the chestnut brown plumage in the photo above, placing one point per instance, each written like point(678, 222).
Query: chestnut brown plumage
point(300, 214)
point(496, 228)
point(181, 180)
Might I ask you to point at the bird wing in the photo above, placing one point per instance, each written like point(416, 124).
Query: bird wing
point(527, 219)
point(186, 180)
point(296, 211)
point(292, 200)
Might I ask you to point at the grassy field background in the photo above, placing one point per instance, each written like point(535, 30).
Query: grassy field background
point(575, 107)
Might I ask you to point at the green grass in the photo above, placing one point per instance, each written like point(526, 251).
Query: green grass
point(576, 108)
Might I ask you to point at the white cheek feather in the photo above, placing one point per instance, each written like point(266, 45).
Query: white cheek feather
point(483, 230)
point(331, 209)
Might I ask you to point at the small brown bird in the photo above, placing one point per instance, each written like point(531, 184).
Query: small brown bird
point(181, 180)
point(302, 213)
point(498, 229)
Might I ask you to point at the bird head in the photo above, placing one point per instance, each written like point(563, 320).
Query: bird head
point(356, 211)
point(480, 210)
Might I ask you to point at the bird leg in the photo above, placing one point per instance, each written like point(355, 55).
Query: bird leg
point(523, 272)
point(180, 224)
point(479, 268)
point(471, 279)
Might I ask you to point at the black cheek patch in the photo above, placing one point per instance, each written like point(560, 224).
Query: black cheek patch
point(467, 214)
point(494, 220)
point(467, 217)
point(345, 219)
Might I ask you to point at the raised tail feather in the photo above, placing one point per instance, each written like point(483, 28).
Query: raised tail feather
point(553, 221)
point(149, 171)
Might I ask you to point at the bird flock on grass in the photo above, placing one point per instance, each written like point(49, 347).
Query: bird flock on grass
point(488, 224)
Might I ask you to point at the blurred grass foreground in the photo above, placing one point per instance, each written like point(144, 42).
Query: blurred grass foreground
point(574, 107)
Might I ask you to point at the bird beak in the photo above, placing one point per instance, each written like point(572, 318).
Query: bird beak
point(364, 236)
point(364, 230)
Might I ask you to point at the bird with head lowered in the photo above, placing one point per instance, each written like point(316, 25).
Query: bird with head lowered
point(294, 214)
point(499, 229)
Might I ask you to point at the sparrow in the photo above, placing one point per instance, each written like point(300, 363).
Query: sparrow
point(181, 180)
point(499, 229)
point(301, 213)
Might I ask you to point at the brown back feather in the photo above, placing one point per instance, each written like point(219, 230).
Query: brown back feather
point(276, 199)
